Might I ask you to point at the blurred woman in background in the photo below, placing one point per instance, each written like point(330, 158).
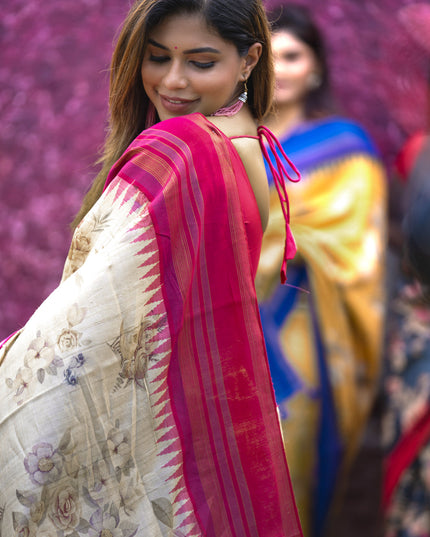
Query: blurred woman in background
point(323, 331)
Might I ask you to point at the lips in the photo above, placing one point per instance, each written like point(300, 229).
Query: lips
point(176, 104)
point(175, 101)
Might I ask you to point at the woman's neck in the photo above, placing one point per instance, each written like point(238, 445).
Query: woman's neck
point(285, 118)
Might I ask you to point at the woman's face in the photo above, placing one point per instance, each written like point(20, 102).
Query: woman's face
point(187, 68)
point(295, 68)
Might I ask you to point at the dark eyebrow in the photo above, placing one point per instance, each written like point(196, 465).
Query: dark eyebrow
point(202, 49)
point(189, 51)
point(152, 42)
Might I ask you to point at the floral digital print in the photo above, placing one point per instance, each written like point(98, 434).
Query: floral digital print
point(37, 511)
point(409, 515)
point(44, 357)
point(91, 465)
point(101, 479)
point(22, 526)
point(21, 384)
point(69, 499)
point(65, 508)
point(130, 491)
point(407, 382)
point(68, 339)
point(70, 373)
point(40, 353)
point(119, 446)
point(136, 349)
point(75, 315)
point(135, 353)
point(43, 464)
point(407, 389)
point(104, 525)
point(83, 240)
point(80, 248)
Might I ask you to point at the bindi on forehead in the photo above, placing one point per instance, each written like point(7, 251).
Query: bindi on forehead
point(176, 48)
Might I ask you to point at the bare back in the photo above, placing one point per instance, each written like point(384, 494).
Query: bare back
point(243, 125)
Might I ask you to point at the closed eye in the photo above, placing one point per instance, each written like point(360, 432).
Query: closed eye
point(203, 65)
point(158, 59)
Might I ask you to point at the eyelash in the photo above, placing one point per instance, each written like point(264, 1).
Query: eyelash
point(158, 59)
point(206, 65)
point(199, 65)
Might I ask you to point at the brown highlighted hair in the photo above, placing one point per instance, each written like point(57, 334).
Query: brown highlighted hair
point(240, 22)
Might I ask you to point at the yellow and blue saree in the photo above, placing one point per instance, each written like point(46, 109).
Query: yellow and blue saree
point(323, 330)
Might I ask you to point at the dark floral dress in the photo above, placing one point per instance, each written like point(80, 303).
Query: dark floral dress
point(407, 389)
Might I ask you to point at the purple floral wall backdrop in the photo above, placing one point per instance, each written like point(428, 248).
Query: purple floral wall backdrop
point(54, 59)
point(53, 97)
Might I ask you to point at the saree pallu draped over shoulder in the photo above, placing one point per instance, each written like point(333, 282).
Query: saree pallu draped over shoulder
point(137, 400)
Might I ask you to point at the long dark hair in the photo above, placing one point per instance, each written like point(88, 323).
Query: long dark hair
point(296, 20)
point(240, 22)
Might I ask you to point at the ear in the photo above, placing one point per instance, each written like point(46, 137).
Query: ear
point(251, 59)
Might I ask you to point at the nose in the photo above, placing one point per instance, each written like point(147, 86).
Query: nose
point(175, 77)
point(279, 68)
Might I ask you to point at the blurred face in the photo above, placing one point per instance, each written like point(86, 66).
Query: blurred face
point(187, 68)
point(295, 68)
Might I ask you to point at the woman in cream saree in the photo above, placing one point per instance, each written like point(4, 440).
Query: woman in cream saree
point(137, 399)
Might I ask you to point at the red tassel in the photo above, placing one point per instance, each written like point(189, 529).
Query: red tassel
point(284, 271)
point(279, 175)
point(289, 252)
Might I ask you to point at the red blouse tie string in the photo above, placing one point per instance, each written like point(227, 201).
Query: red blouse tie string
point(280, 174)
